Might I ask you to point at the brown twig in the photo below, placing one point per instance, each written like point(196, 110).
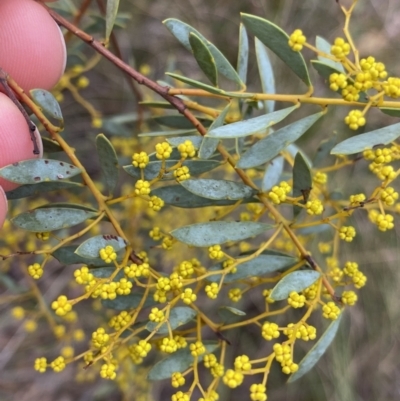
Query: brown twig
point(139, 78)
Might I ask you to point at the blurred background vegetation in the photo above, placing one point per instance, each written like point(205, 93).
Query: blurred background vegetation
point(362, 364)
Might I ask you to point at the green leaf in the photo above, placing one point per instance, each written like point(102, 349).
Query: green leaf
point(302, 181)
point(179, 361)
point(130, 301)
point(218, 232)
point(204, 58)
point(325, 70)
point(243, 54)
point(66, 255)
point(50, 146)
point(111, 14)
point(324, 46)
point(178, 317)
point(152, 170)
point(49, 105)
point(320, 228)
point(28, 190)
point(316, 352)
point(178, 196)
point(266, 74)
point(293, 149)
point(296, 281)
point(181, 122)
point(229, 314)
point(272, 173)
point(390, 111)
point(195, 139)
point(269, 147)
point(51, 219)
point(158, 105)
point(182, 31)
point(169, 133)
point(218, 189)
point(277, 40)
point(197, 84)
point(253, 126)
point(106, 272)
point(324, 149)
point(259, 266)
point(108, 161)
point(91, 247)
point(34, 171)
point(359, 143)
point(209, 145)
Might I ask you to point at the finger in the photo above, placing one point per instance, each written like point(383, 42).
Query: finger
point(32, 48)
point(16, 143)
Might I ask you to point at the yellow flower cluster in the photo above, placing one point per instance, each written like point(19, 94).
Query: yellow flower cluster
point(61, 306)
point(139, 351)
point(40, 364)
point(156, 315)
point(83, 275)
point(278, 193)
point(108, 254)
point(235, 294)
point(347, 233)
point(357, 199)
point(107, 371)
point(140, 160)
point(270, 330)
point(215, 252)
point(297, 40)
point(58, 364)
point(340, 48)
point(197, 348)
point(242, 363)
point(156, 203)
point(134, 270)
point(142, 187)
point(177, 379)
point(296, 300)
point(349, 298)
point(305, 332)
point(314, 207)
point(186, 149)
point(283, 355)
point(383, 221)
point(188, 296)
point(100, 338)
point(330, 311)
point(163, 150)
point(355, 119)
point(337, 81)
point(182, 173)
point(180, 396)
point(389, 196)
point(212, 290)
point(35, 271)
point(258, 392)
point(120, 321)
point(233, 379)
point(320, 178)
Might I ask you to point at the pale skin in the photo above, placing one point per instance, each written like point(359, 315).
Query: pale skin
point(32, 52)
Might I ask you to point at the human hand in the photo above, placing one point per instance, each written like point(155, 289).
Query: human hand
point(32, 51)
